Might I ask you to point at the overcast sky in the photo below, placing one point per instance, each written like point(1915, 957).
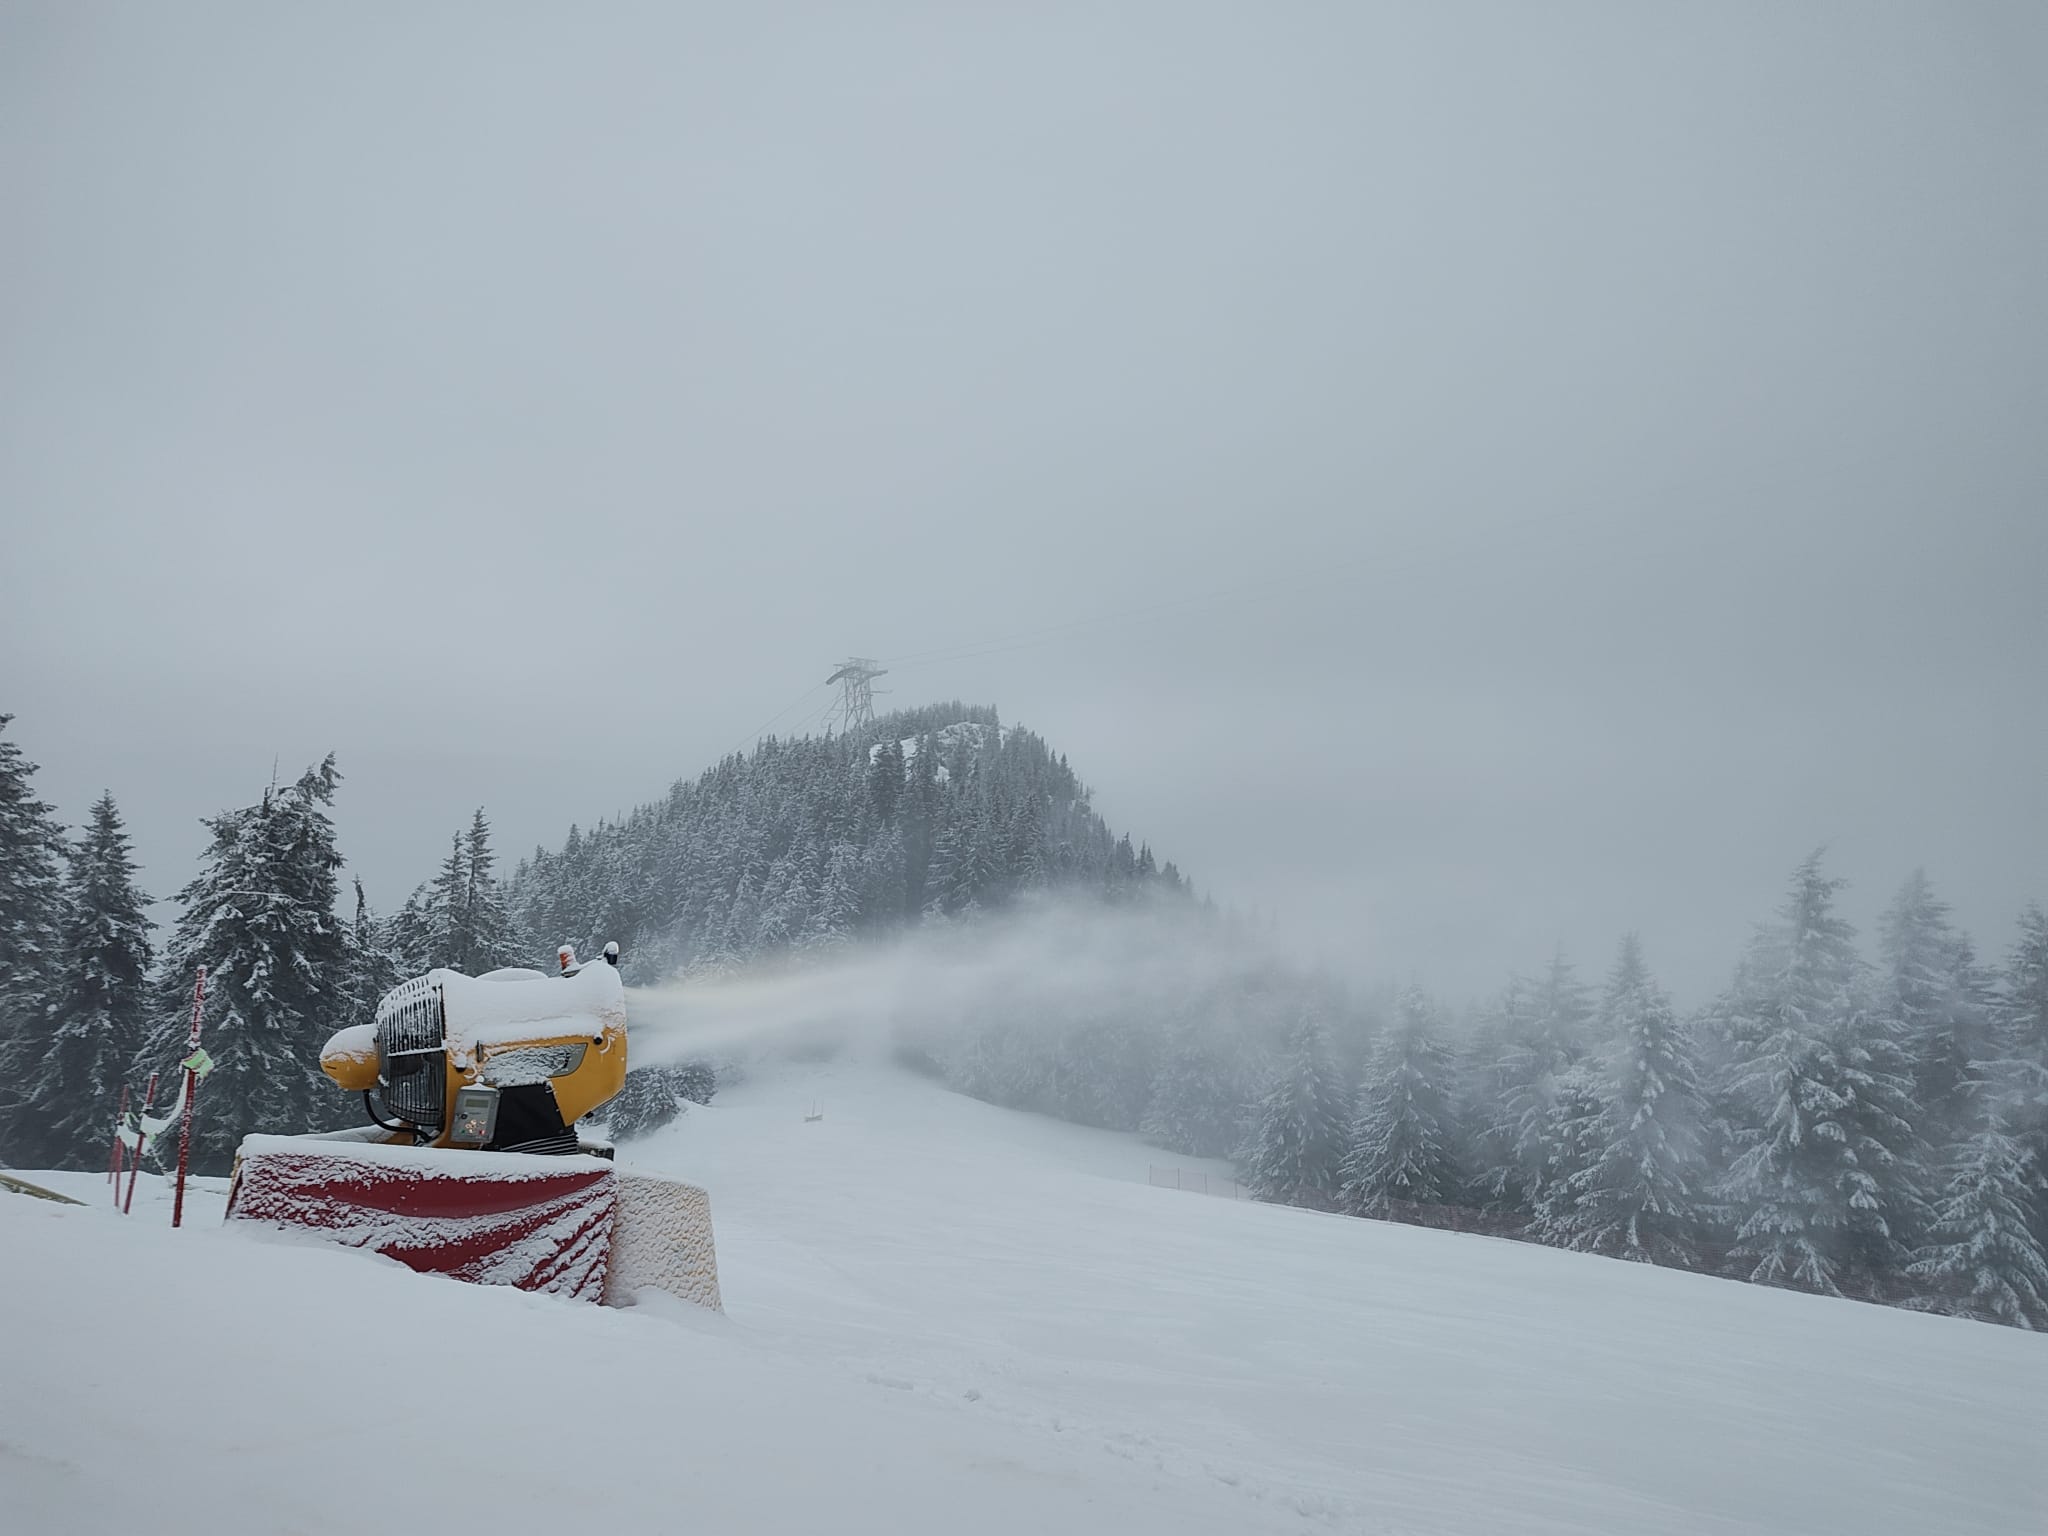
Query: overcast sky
point(1609, 443)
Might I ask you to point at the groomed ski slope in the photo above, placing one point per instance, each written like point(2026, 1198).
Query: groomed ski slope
point(945, 1317)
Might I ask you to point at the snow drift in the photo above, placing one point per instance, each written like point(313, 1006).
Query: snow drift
point(944, 1316)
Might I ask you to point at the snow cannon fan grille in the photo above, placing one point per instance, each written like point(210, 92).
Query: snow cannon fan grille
point(412, 1054)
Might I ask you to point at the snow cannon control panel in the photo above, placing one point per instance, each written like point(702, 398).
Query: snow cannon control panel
point(476, 1117)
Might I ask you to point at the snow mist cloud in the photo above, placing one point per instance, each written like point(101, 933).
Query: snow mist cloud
point(1058, 959)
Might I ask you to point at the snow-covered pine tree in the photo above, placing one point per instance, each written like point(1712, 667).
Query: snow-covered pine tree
point(1486, 1147)
point(1641, 1196)
point(2022, 1018)
point(461, 918)
point(260, 916)
point(490, 937)
point(1986, 1253)
point(33, 920)
point(881, 878)
point(1939, 1005)
point(785, 906)
point(985, 877)
point(1104, 1067)
point(1123, 868)
point(742, 930)
point(1190, 1110)
point(654, 1096)
point(697, 1081)
point(77, 1062)
point(885, 781)
point(1895, 1170)
point(966, 871)
point(835, 915)
point(427, 931)
point(447, 907)
point(1819, 1187)
point(1027, 859)
point(1400, 1146)
point(1573, 1139)
point(557, 902)
point(976, 1062)
point(920, 810)
point(1724, 1111)
point(1983, 1258)
point(372, 964)
point(1297, 1136)
point(1542, 1040)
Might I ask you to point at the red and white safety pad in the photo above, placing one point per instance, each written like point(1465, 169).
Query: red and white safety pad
point(537, 1223)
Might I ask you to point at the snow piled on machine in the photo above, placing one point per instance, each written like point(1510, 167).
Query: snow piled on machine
point(506, 1007)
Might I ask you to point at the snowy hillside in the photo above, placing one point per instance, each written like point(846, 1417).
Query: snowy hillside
point(944, 1317)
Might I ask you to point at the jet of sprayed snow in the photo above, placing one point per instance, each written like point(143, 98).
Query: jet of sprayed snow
point(1064, 960)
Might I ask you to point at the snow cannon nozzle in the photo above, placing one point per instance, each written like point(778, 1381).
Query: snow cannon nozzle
point(565, 957)
point(611, 953)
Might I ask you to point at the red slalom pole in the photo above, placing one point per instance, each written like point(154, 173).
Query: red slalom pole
point(114, 1159)
point(135, 1166)
point(191, 1090)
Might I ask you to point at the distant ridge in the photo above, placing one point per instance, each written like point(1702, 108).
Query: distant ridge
point(815, 842)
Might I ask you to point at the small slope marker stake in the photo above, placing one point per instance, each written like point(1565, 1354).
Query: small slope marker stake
point(143, 1140)
point(114, 1157)
point(195, 1065)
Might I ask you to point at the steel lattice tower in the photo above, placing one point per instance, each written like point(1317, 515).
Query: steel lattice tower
point(856, 677)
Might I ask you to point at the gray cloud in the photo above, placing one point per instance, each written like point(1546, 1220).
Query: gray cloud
point(1615, 430)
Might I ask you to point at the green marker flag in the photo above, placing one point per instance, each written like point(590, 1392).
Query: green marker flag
point(199, 1062)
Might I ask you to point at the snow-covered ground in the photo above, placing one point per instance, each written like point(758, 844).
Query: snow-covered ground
point(945, 1317)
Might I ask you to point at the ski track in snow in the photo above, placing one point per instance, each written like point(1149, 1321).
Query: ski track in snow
point(946, 1316)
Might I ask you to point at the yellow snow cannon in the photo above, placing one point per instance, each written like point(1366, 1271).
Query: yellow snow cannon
point(456, 1071)
point(508, 1061)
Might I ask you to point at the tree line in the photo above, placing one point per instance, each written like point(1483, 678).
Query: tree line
point(1869, 1130)
point(1876, 1130)
point(89, 1001)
